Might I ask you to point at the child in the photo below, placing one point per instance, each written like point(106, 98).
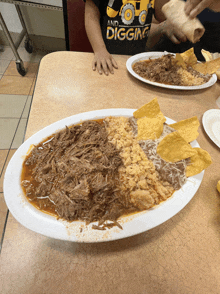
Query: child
point(122, 27)
point(118, 27)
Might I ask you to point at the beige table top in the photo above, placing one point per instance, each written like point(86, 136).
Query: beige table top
point(180, 256)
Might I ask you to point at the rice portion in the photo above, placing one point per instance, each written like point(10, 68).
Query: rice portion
point(138, 177)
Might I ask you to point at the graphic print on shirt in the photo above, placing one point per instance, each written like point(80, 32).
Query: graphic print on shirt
point(129, 19)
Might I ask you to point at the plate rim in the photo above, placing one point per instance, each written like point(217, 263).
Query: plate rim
point(35, 214)
point(208, 132)
point(141, 56)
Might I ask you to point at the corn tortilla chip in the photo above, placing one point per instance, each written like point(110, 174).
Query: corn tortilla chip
point(188, 128)
point(179, 60)
point(209, 67)
point(151, 109)
point(174, 148)
point(200, 161)
point(211, 56)
point(207, 55)
point(149, 128)
point(189, 57)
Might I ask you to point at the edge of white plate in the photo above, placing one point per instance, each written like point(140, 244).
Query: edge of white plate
point(208, 130)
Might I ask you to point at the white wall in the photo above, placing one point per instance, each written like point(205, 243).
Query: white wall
point(42, 22)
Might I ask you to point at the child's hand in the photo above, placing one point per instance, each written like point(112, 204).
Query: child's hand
point(104, 62)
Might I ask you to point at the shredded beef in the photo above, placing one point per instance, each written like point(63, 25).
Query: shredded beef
point(160, 70)
point(76, 172)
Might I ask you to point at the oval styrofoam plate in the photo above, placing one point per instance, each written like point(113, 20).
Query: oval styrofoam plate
point(77, 231)
point(211, 124)
point(147, 55)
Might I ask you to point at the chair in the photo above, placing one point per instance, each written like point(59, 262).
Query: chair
point(75, 33)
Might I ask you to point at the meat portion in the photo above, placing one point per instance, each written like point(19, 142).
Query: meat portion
point(166, 71)
point(76, 173)
point(160, 70)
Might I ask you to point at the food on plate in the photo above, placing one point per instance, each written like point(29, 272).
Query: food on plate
point(198, 162)
point(174, 148)
point(192, 28)
point(100, 170)
point(187, 128)
point(151, 110)
point(214, 67)
point(149, 128)
point(188, 57)
point(170, 69)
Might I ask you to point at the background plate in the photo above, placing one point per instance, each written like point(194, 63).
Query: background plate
point(144, 56)
point(48, 225)
point(211, 124)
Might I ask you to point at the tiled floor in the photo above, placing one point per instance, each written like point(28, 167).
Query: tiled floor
point(15, 100)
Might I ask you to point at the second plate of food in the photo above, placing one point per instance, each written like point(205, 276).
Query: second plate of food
point(154, 55)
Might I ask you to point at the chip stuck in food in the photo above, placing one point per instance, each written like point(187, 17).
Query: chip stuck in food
point(187, 128)
point(189, 57)
point(198, 162)
point(151, 110)
point(173, 148)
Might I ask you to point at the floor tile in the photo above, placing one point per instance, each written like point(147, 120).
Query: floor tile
point(15, 85)
point(11, 152)
point(27, 107)
point(32, 57)
point(11, 106)
point(8, 127)
point(19, 137)
point(3, 65)
point(3, 155)
point(3, 213)
point(7, 53)
point(30, 67)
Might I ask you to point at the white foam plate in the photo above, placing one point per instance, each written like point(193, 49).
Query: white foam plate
point(211, 124)
point(48, 225)
point(153, 55)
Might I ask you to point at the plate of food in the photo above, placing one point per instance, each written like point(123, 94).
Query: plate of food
point(103, 175)
point(169, 70)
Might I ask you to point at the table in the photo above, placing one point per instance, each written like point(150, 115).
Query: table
point(178, 257)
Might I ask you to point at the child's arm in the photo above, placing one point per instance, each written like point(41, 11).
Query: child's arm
point(103, 60)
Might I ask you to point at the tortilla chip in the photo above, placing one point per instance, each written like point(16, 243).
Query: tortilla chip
point(149, 128)
point(200, 161)
point(174, 148)
point(179, 60)
point(207, 55)
point(211, 56)
point(151, 110)
point(209, 67)
point(189, 57)
point(187, 128)
point(218, 186)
